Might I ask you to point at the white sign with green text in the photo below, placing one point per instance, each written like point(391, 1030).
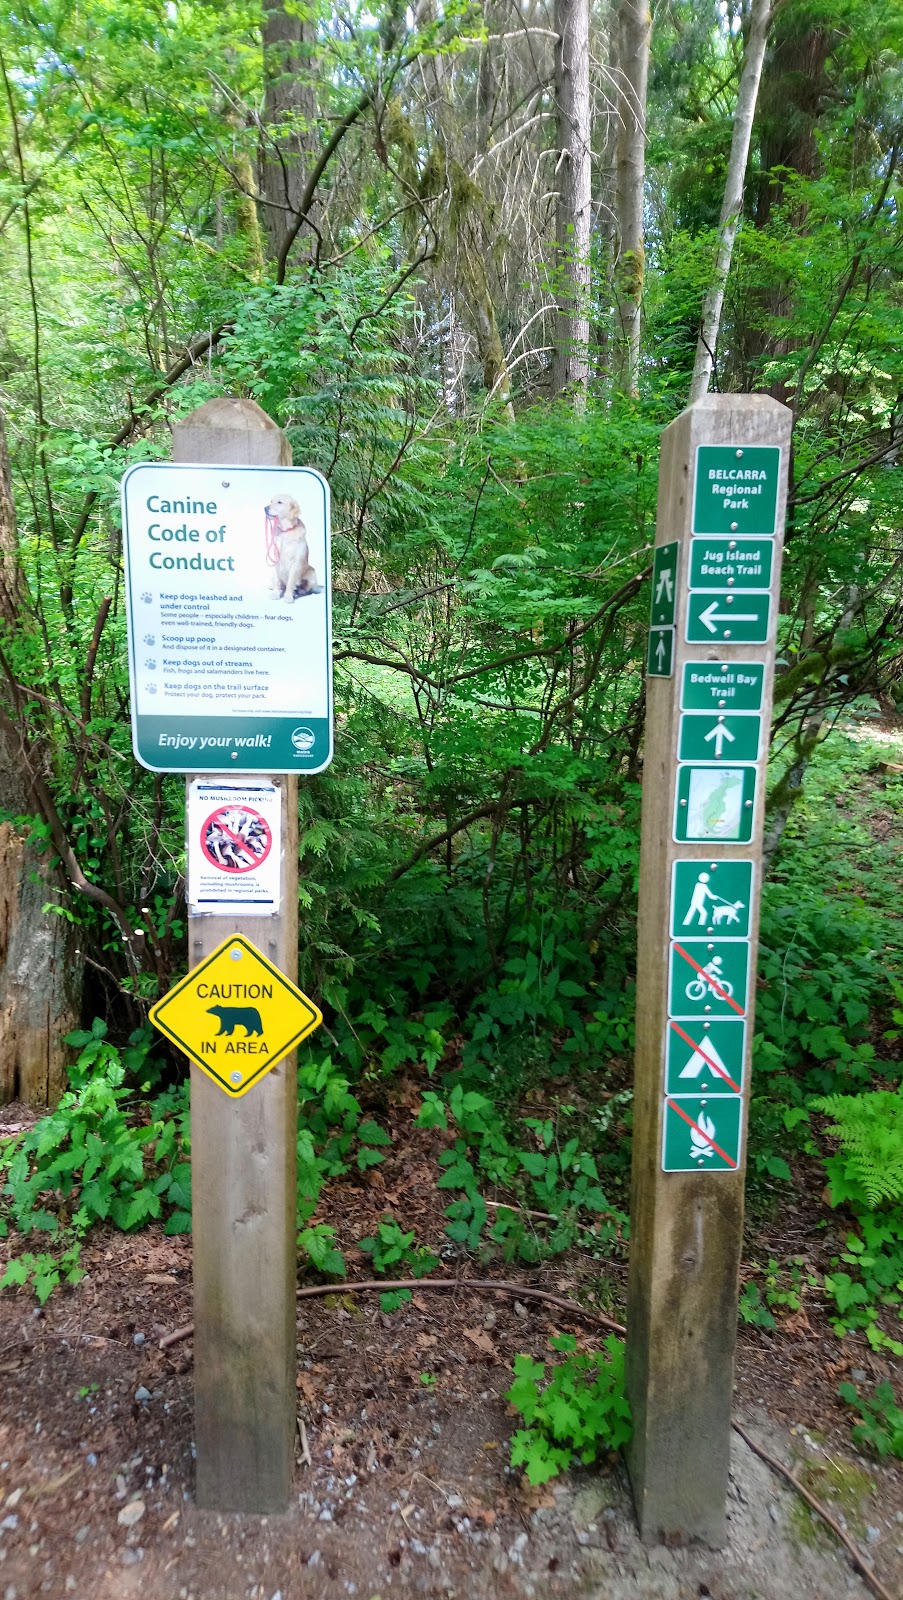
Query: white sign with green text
point(228, 595)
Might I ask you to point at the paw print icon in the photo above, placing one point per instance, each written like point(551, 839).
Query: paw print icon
point(150, 664)
point(147, 597)
point(150, 638)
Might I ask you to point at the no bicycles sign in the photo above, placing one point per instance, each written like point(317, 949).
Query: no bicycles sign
point(233, 848)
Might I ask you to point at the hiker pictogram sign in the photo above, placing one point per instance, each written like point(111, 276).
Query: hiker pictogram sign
point(236, 1015)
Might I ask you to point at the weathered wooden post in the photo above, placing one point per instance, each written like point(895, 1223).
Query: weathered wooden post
point(231, 670)
point(716, 577)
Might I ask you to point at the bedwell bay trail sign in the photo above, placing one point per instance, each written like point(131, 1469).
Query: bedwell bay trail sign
point(710, 665)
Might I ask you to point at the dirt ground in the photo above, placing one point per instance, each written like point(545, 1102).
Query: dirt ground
point(408, 1491)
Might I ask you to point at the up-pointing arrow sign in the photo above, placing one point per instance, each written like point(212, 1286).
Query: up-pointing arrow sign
point(719, 733)
point(661, 651)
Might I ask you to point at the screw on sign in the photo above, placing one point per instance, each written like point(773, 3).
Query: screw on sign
point(236, 838)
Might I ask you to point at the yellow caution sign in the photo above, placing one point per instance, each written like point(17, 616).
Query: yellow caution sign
point(236, 1015)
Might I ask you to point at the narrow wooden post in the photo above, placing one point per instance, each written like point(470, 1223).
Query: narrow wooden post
point(243, 1152)
point(721, 509)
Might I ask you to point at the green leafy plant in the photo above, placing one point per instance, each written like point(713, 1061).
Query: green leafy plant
point(89, 1160)
point(881, 1428)
point(318, 1245)
point(579, 1411)
point(45, 1272)
point(391, 1249)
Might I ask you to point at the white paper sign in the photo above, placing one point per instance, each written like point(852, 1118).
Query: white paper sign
point(234, 857)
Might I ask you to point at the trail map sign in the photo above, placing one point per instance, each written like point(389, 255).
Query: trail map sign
point(236, 1015)
point(228, 598)
point(710, 657)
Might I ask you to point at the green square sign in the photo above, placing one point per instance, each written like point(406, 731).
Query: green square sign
point(714, 803)
point(736, 489)
point(722, 686)
point(660, 655)
point(728, 618)
point(719, 736)
point(664, 585)
point(702, 1133)
point(711, 897)
point(734, 563)
point(705, 1057)
point(708, 978)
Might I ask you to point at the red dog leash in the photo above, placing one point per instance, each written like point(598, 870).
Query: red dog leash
point(272, 546)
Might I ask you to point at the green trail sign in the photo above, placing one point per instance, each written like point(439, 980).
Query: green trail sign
point(664, 585)
point(711, 896)
point(705, 1058)
point(702, 1132)
point(735, 563)
point(727, 617)
point(708, 978)
point(736, 489)
point(722, 685)
point(714, 803)
point(660, 655)
point(719, 736)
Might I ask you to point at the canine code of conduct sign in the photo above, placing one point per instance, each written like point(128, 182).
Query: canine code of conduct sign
point(228, 597)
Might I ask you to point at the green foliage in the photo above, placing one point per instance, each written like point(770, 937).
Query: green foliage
point(867, 1171)
point(881, 1428)
point(88, 1161)
point(391, 1250)
point(783, 1289)
point(580, 1411)
point(319, 1246)
point(875, 1282)
point(44, 1271)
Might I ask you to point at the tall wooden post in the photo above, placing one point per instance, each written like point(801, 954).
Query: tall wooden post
point(716, 577)
point(244, 1152)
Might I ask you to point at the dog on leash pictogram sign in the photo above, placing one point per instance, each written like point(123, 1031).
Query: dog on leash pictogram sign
point(256, 1017)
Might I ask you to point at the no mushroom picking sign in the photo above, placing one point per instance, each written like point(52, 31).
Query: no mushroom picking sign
point(227, 589)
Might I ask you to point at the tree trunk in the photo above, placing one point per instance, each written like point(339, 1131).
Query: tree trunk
point(733, 198)
point(289, 117)
point(41, 975)
point(634, 29)
point(570, 368)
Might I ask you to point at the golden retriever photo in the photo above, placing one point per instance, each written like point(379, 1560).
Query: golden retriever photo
point(287, 538)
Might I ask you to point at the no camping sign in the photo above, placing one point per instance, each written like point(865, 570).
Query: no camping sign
point(233, 848)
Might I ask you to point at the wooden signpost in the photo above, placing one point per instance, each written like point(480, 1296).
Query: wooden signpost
point(710, 669)
point(228, 585)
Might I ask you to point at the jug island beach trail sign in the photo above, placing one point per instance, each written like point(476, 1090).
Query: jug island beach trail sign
point(228, 600)
point(713, 615)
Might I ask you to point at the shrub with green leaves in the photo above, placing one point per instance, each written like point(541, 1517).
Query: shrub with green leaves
point(579, 1412)
point(89, 1160)
point(391, 1249)
point(881, 1428)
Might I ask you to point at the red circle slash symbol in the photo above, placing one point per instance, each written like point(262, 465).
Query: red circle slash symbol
point(236, 838)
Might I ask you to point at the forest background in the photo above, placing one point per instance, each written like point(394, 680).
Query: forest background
point(472, 259)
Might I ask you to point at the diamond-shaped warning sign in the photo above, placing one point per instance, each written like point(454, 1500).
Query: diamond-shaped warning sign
point(236, 1015)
